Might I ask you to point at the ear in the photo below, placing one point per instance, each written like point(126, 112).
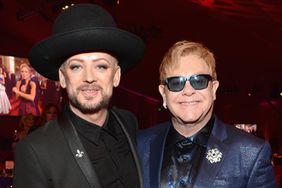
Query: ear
point(162, 92)
point(215, 85)
point(117, 77)
point(62, 79)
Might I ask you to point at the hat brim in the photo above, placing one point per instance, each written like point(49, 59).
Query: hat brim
point(47, 56)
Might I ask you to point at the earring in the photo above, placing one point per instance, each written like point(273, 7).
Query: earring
point(164, 105)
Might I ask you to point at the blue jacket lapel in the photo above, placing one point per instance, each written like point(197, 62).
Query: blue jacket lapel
point(156, 150)
point(208, 170)
point(75, 144)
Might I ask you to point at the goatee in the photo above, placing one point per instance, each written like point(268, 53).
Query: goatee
point(90, 108)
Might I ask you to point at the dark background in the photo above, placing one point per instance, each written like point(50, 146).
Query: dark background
point(245, 36)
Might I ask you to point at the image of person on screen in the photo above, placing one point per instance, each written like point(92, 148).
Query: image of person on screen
point(25, 90)
point(50, 112)
point(51, 93)
point(5, 105)
point(194, 149)
point(89, 144)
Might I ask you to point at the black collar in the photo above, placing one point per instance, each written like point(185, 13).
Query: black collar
point(90, 130)
point(200, 138)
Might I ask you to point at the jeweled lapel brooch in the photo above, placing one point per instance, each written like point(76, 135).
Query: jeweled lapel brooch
point(214, 155)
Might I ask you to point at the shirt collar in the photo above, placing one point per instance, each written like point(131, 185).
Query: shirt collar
point(111, 126)
point(90, 130)
point(200, 138)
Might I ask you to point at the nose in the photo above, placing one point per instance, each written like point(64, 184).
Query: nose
point(89, 75)
point(188, 89)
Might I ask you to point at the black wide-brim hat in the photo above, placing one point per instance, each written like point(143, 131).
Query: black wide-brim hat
point(80, 29)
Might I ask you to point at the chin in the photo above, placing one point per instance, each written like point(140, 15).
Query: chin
point(190, 119)
point(91, 102)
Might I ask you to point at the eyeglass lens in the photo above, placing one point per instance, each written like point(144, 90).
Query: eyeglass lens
point(197, 81)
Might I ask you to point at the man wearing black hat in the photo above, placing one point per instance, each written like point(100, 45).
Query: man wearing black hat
point(88, 145)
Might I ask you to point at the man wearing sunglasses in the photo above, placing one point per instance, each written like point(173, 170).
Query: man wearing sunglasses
point(195, 149)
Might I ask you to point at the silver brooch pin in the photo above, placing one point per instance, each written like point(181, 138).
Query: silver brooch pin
point(79, 153)
point(214, 155)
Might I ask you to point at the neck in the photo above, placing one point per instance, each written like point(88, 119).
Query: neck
point(97, 118)
point(188, 129)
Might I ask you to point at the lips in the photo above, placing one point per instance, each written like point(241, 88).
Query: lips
point(189, 102)
point(89, 91)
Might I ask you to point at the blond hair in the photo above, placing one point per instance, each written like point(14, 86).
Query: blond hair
point(185, 48)
point(24, 65)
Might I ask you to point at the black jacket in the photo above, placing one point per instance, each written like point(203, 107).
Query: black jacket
point(49, 156)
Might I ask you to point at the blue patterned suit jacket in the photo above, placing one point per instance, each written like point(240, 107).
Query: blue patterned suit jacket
point(245, 162)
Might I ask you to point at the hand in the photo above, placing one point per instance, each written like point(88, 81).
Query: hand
point(23, 88)
point(15, 90)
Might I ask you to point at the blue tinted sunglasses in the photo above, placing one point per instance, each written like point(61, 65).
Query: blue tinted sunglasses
point(197, 81)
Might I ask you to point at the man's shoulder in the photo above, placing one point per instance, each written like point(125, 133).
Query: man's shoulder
point(238, 136)
point(124, 115)
point(127, 119)
point(155, 134)
point(122, 112)
point(157, 129)
point(44, 135)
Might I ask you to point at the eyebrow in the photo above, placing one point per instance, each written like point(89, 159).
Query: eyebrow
point(93, 60)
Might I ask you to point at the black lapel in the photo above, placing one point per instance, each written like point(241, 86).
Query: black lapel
point(131, 145)
point(76, 147)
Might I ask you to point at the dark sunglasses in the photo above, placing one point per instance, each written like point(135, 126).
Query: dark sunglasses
point(197, 81)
